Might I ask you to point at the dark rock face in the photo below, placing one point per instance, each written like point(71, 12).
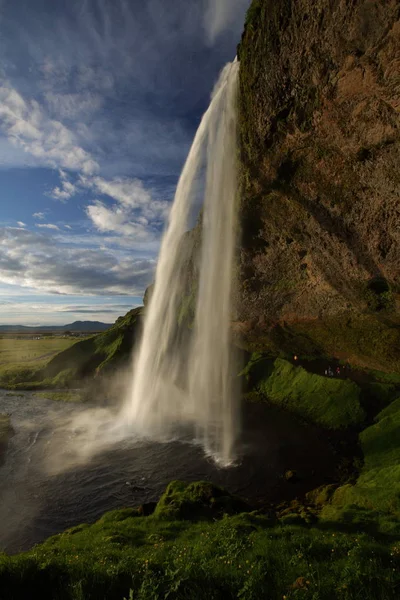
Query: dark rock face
point(320, 148)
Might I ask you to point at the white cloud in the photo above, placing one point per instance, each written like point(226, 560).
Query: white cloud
point(130, 192)
point(67, 189)
point(49, 141)
point(39, 215)
point(34, 260)
point(21, 224)
point(48, 226)
point(132, 197)
point(135, 213)
point(67, 226)
point(72, 105)
point(118, 220)
point(221, 15)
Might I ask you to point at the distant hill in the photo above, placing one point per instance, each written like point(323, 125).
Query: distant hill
point(77, 326)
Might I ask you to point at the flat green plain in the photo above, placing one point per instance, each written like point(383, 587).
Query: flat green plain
point(20, 354)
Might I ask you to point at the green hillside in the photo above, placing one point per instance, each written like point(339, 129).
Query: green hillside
point(86, 358)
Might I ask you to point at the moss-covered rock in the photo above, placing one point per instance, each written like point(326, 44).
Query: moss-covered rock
point(376, 493)
point(196, 500)
point(329, 402)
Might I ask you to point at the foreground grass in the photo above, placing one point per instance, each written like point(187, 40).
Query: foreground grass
point(238, 556)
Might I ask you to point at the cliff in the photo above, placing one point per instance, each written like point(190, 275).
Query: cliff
point(320, 148)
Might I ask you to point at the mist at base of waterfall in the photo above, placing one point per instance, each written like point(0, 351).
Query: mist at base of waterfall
point(178, 384)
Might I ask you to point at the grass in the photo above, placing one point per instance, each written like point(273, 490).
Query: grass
point(100, 353)
point(329, 402)
point(245, 556)
point(65, 362)
point(376, 494)
point(21, 359)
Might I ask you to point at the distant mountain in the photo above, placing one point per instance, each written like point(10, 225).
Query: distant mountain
point(77, 326)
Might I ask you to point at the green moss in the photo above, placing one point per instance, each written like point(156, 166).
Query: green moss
point(196, 500)
point(378, 487)
point(253, 13)
point(116, 516)
point(382, 377)
point(332, 403)
point(390, 410)
point(321, 495)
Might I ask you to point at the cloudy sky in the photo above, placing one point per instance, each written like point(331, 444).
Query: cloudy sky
point(99, 102)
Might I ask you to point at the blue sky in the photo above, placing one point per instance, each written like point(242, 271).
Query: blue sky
point(99, 102)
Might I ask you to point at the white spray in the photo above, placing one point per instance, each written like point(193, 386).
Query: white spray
point(205, 397)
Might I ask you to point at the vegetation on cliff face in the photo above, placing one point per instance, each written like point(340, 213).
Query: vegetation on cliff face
point(320, 145)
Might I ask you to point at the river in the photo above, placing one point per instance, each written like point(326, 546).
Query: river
point(46, 485)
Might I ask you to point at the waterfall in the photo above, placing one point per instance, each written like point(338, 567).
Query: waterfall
point(178, 385)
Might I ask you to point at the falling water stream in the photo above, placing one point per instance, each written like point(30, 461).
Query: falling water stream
point(158, 402)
